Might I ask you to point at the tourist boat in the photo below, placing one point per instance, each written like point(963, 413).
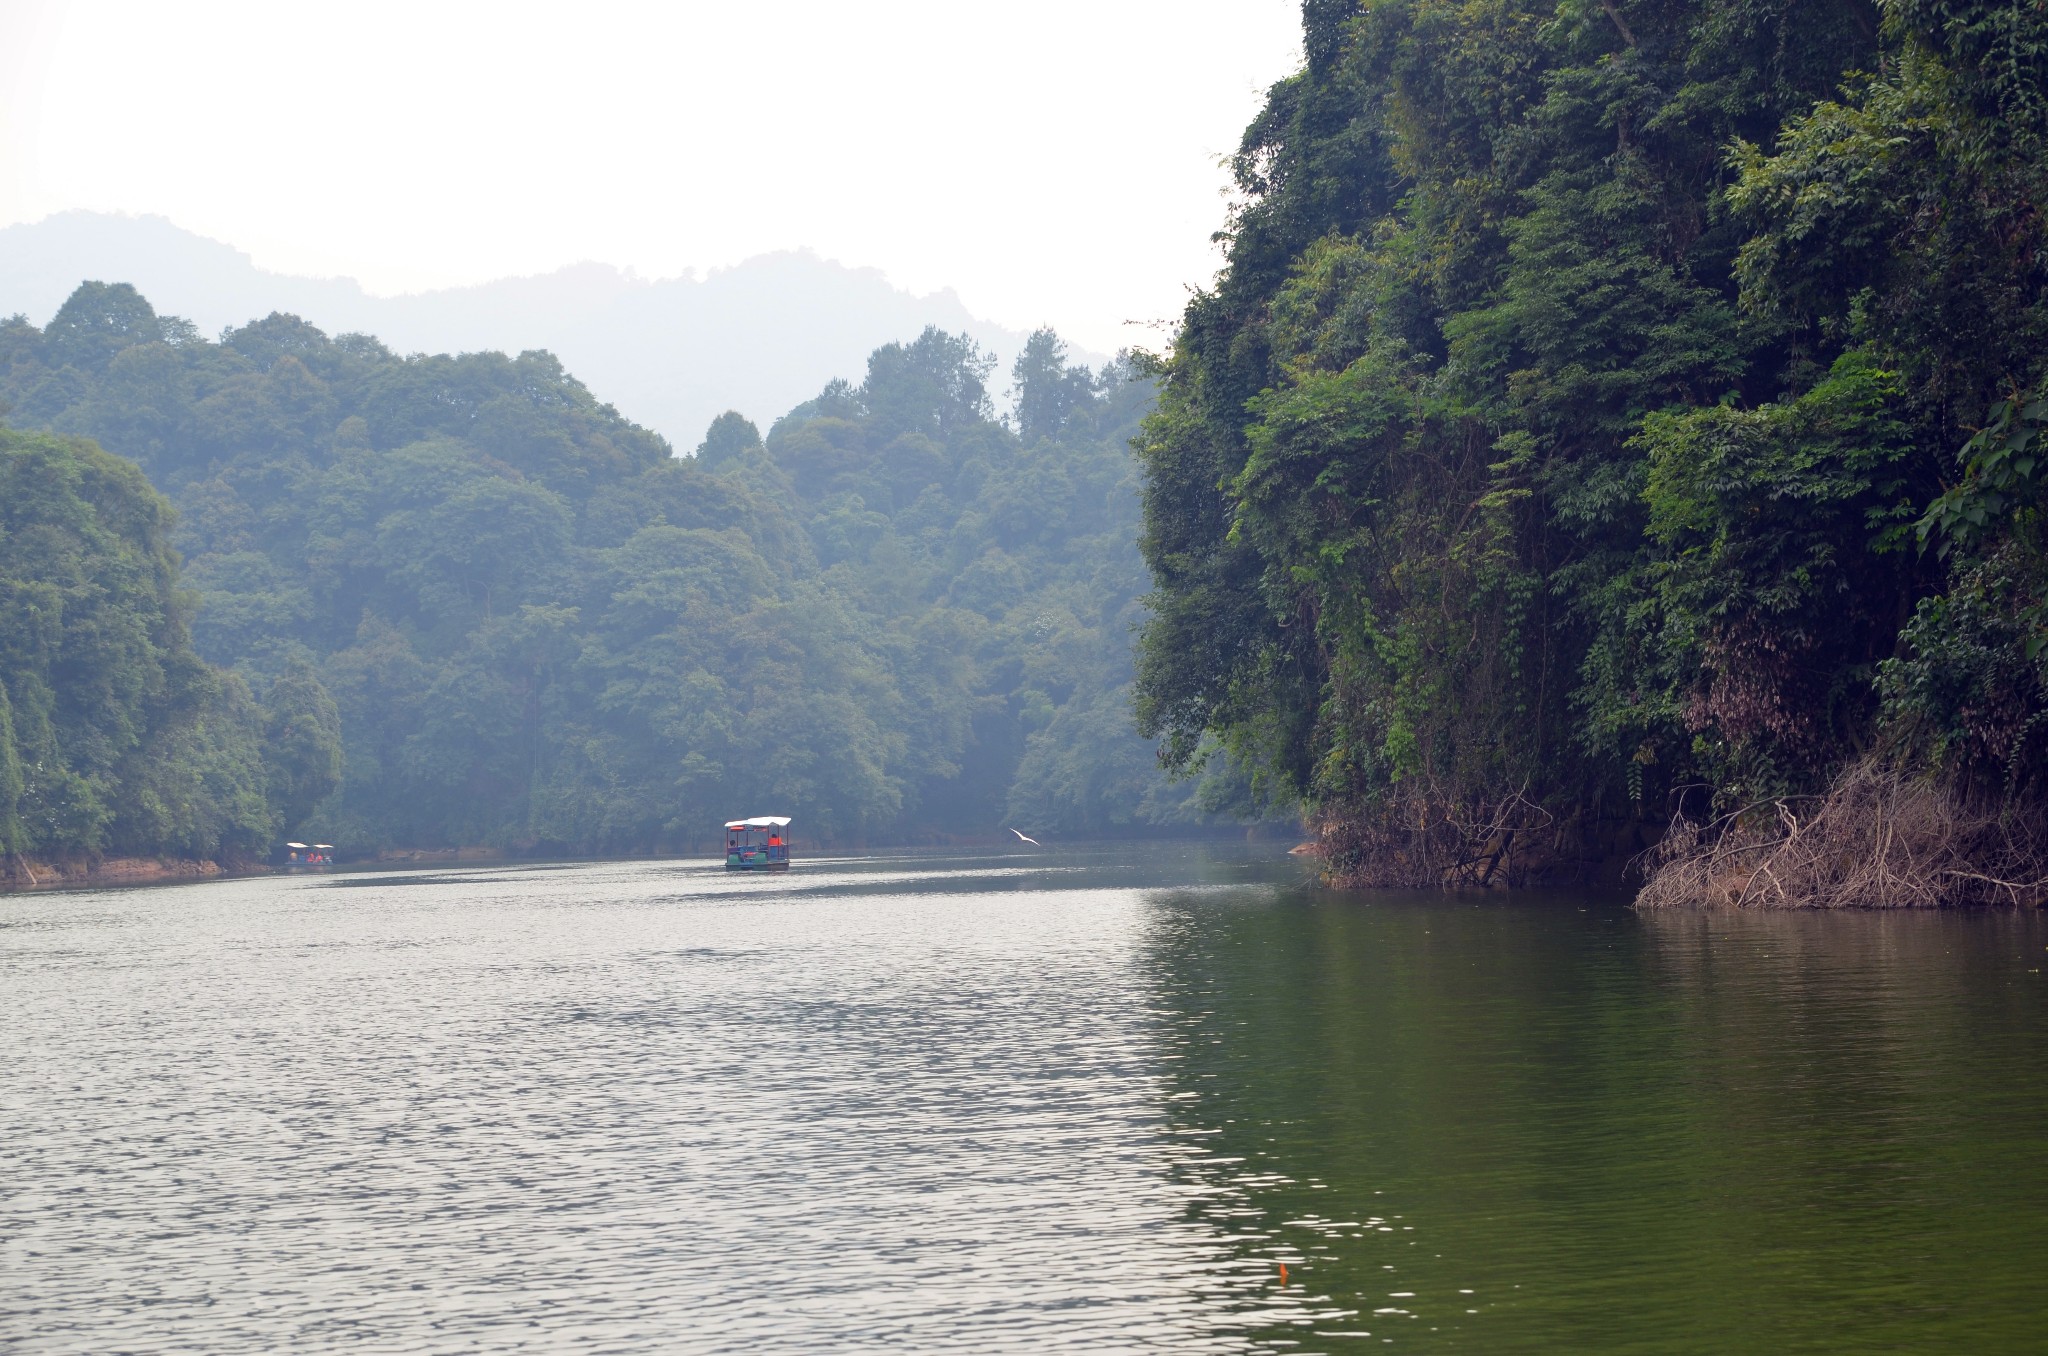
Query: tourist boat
point(309, 856)
point(757, 844)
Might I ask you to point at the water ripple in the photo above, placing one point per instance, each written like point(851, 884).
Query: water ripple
point(520, 1111)
point(1148, 1099)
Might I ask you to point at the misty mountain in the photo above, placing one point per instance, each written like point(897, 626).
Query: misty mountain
point(671, 354)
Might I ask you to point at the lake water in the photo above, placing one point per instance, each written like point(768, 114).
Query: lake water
point(1080, 1100)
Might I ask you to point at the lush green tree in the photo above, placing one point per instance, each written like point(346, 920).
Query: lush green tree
point(114, 735)
point(481, 607)
point(302, 752)
point(1550, 451)
point(1903, 219)
point(97, 322)
point(1544, 447)
point(13, 833)
point(1784, 560)
point(731, 437)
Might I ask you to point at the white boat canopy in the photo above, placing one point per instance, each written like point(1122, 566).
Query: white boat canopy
point(758, 822)
point(294, 844)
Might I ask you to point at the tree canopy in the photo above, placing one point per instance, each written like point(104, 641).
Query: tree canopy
point(114, 736)
point(477, 605)
point(1608, 408)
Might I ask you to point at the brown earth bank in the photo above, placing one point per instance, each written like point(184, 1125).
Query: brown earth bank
point(1877, 838)
point(31, 873)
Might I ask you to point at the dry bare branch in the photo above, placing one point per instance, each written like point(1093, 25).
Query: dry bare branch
point(1878, 839)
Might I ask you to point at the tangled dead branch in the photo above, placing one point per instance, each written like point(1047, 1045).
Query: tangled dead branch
point(1427, 842)
point(1878, 839)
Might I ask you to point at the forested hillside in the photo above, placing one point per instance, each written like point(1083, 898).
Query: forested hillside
point(1613, 408)
point(114, 736)
point(896, 616)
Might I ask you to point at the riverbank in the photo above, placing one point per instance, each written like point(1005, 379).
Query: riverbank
point(1877, 839)
point(1424, 847)
point(31, 873)
point(37, 873)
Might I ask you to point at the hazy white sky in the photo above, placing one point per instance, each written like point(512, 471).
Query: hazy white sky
point(1053, 162)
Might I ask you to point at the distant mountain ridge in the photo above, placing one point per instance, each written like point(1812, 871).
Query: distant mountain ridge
point(671, 354)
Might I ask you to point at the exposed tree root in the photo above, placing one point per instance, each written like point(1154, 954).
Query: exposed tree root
point(1878, 839)
point(1428, 843)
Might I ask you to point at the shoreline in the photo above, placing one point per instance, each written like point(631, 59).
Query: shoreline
point(23, 874)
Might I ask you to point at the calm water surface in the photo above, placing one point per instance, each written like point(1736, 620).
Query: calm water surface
point(1072, 1101)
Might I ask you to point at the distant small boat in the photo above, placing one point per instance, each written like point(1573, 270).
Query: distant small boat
point(757, 844)
point(309, 856)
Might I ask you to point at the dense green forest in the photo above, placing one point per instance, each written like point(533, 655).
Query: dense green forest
point(1612, 408)
point(114, 735)
point(527, 624)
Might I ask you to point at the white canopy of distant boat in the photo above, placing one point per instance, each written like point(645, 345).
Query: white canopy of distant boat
point(759, 822)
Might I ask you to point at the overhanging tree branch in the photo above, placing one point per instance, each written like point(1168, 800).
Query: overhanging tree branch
point(1621, 25)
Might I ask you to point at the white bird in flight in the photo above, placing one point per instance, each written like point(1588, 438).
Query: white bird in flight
point(1027, 838)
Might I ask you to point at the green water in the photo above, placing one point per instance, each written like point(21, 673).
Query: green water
point(1556, 1125)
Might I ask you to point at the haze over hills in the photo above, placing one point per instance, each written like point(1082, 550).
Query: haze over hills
point(670, 353)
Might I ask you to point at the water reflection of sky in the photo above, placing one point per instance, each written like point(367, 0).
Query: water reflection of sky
point(1084, 1100)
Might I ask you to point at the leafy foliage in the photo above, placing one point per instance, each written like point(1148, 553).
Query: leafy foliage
point(114, 736)
point(481, 607)
point(1554, 439)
